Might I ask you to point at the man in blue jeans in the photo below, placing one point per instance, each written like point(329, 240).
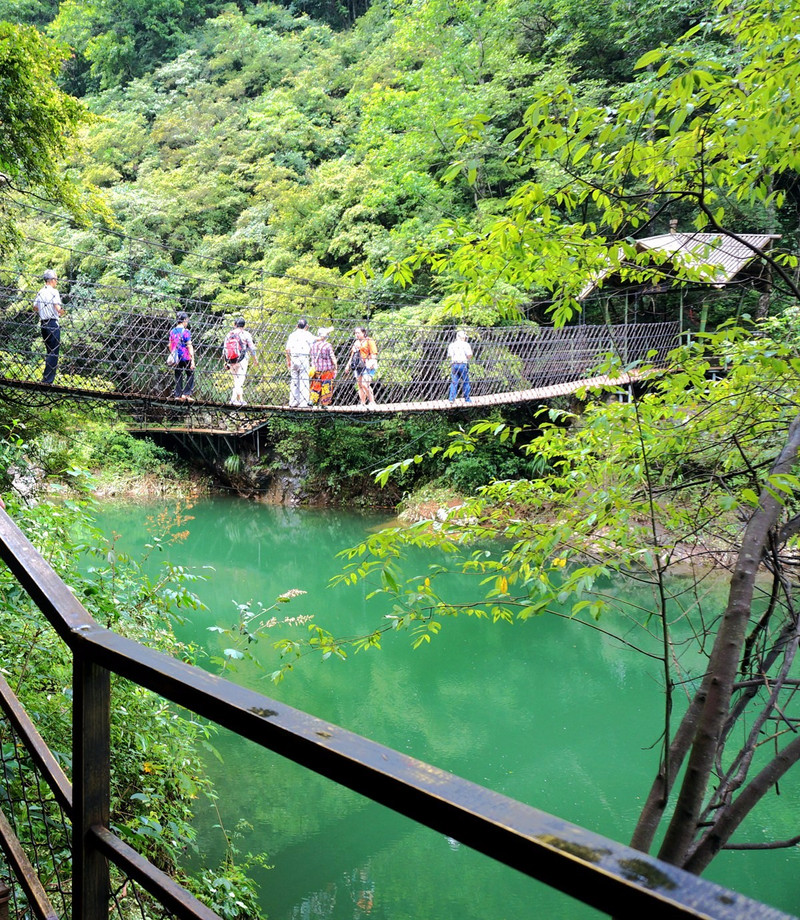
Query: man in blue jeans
point(48, 305)
point(460, 354)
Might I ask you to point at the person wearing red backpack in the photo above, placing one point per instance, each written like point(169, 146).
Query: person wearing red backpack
point(237, 350)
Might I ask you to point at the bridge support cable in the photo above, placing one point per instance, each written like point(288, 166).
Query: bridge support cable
point(116, 350)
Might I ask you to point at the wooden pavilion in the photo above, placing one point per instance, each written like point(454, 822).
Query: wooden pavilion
point(683, 263)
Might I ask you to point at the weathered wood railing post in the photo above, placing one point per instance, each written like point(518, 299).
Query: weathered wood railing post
point(91, 778)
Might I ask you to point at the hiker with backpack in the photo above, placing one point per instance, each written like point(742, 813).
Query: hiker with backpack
point(236, 350)
point(181, 357)
point(323, 367)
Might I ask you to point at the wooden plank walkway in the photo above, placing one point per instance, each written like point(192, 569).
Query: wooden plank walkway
point(533, 395)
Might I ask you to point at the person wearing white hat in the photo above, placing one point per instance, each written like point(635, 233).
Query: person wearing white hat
point(323, 368)
point(47, 304)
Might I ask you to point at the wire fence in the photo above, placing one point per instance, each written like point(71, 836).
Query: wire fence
point(116, 343)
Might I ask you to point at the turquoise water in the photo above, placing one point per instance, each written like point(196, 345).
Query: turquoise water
point(548, 712)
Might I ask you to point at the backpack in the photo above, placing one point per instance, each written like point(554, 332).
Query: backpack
point(233, 348)
point(174, 349)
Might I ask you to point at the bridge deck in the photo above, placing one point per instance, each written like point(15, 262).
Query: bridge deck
point(246, 418)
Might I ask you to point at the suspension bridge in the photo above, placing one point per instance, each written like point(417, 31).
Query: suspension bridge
point(114, 350)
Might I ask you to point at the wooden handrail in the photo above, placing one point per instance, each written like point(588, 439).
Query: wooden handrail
point(598, 871)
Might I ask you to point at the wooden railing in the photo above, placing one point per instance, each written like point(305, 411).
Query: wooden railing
point(598, 871)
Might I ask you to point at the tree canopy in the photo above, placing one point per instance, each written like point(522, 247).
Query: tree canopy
point(265, 144)
point(38, 123)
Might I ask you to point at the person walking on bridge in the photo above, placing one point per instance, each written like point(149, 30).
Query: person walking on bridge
point(323, 368)
point(298, 348)
point(47, 304)
point(364, 364)
point(238, 348)
point(460, 353)
point(180, 341)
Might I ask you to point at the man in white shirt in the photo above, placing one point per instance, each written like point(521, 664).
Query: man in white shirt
point(460, 354)
point(47, 304)
point(298, 348)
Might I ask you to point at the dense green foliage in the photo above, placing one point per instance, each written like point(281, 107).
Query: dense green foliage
point(434, 157)
point(38, 123)
point(257, 157)
point(339, 458)
point(157, 773)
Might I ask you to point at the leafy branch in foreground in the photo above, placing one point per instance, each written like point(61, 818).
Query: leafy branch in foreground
point(705, 133)
point(696, 478)
point(254, 620)
point(157, 769)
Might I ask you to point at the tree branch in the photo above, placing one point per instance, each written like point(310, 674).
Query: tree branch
point(743, 805)
point(717, 685)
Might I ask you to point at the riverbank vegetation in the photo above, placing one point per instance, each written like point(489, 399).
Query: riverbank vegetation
point(330, 461)
point(158, 777)
point(78, 451)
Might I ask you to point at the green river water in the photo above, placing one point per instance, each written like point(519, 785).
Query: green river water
point(547, 712)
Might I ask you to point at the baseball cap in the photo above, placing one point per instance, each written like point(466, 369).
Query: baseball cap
point(50, 275)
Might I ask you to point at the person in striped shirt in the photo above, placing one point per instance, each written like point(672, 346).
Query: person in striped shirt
point(323, 368)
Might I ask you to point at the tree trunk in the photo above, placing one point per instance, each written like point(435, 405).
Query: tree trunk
point(717, 686)
point(744, 804)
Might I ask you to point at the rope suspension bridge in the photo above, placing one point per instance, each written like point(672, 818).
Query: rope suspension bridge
point(114, 347)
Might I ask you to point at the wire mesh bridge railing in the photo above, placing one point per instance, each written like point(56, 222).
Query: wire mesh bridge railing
point(63, 860)
point(119, 350)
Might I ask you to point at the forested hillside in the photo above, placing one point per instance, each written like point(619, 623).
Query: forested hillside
point(253, 154)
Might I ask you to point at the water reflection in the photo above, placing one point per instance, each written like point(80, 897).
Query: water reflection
point(355, 888)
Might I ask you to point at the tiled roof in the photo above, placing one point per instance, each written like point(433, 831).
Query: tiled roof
point(726, 256)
